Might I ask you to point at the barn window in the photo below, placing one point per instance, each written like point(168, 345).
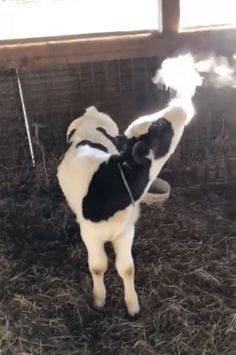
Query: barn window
point(199, 14)
point(49, 18)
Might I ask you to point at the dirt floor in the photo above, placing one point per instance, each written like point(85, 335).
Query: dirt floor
point(185, 256)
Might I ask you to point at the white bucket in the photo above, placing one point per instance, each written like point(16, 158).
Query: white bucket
point(158, 193)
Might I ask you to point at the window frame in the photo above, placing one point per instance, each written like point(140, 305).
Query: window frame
point(199, 28)
point(87, 35)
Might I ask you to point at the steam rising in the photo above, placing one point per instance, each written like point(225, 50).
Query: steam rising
point(183, 74)
point(179, 73)
point(218, 70)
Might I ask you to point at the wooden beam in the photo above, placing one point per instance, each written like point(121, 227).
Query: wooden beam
point(170, 16)
point(53, 53)
point(56, 53)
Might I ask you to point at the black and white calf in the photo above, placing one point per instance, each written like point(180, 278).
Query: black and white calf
point(104, 186)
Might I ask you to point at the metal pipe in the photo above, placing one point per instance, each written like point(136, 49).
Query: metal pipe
point(25, 118)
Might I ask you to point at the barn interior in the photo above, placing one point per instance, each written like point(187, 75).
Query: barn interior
point(184, 251)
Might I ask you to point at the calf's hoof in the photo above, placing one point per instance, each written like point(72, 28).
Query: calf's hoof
point(133, 309)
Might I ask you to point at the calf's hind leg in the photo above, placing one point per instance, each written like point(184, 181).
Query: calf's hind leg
point(125, 267)
point(97, 260)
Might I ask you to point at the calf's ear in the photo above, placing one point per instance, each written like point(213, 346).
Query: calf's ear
point(140, 152)
point(120, 142)
point(69, 135)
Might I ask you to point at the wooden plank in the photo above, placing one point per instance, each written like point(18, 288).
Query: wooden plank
point(40, 54)
point(82, 50)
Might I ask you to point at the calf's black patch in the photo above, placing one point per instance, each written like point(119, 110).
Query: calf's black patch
point(119, 141)
point(160, 136)
point(107, 193)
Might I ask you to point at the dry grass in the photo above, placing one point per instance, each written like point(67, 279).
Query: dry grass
point(185, 256)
